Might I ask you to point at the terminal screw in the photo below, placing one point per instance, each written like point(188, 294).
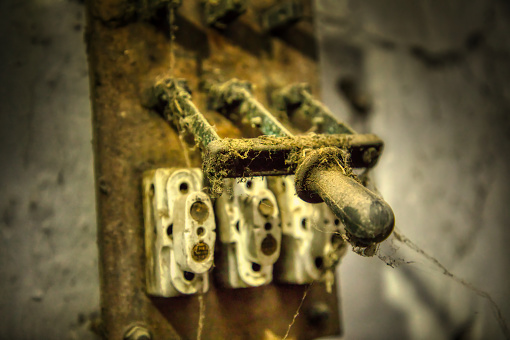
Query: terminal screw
point(138, 333)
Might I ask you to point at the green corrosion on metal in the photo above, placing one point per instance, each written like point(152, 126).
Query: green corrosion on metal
point(298, 97)
point(236, 93)
point(185, 115)
point(260, 117)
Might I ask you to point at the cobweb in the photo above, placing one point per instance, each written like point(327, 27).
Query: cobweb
point(391, 253)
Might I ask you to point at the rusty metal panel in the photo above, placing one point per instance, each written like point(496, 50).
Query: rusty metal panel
point(129, 48)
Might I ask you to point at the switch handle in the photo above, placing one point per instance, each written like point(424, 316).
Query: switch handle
point(322, 177)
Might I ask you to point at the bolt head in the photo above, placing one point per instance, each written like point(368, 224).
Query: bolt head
point(318, 314)
point(370, 155)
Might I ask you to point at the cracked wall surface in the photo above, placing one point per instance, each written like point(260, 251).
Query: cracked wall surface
point(435, 77)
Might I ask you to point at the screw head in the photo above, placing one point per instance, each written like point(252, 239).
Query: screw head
point(138, 333)
point(199, 211)
point(266, 207)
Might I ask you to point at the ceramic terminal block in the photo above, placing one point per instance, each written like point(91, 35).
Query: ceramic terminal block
point(179, 232)
point(250, 233)
point(312, 244)
point(193, 232)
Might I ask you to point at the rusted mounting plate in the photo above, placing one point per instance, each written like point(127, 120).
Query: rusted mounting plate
point(126, 56)
point(252, 313)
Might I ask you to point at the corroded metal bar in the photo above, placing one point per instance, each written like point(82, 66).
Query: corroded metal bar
point(296, 99)
point(236, 93)
point(175, 99)
point(270, 156)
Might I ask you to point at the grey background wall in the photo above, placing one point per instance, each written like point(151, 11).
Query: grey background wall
point(437, 75)
point(48, 253)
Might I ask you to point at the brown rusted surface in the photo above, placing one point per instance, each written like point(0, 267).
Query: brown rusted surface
point(126, 55)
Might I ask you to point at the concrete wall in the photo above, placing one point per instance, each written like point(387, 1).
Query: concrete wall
point(436, 73)
point(48, 252)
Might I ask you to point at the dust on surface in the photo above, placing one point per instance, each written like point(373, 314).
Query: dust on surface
point(215, 167)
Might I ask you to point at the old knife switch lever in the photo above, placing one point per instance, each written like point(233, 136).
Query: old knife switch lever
point(321, 174)
point(321, 177)
point(250, 233)
point(308, 113)
point(317, 160)
point(235, 96)
point(180, 232)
